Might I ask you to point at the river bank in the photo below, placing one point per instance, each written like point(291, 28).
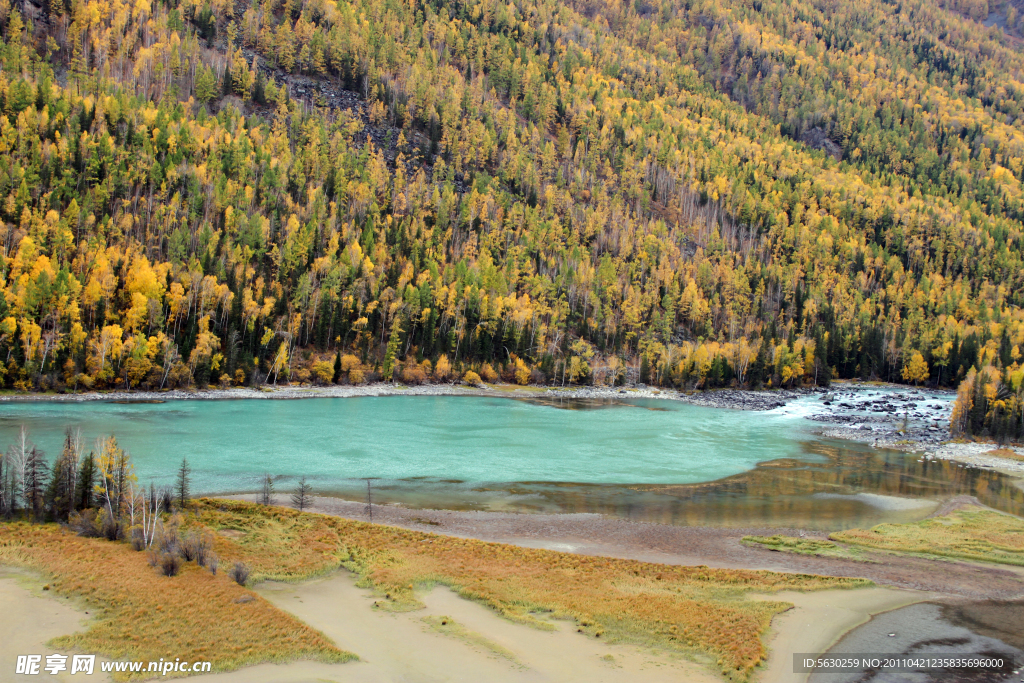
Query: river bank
point(725, 398)
point(911, 420)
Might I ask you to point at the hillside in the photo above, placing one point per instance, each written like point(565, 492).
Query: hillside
point(685, 193)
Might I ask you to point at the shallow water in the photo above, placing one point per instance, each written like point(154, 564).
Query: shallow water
point(987, 629)
point(647, 460)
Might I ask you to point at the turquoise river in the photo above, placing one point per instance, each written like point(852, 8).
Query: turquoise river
point(646, 459)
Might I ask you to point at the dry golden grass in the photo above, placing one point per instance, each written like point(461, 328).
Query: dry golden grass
point(971, 533)
point(447, 626)
point(691, 609)
point(803, 546)
point(144, 615)
point(1007, 453)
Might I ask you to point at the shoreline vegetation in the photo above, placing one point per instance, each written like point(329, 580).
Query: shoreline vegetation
point(969, 532)
point(718, 547)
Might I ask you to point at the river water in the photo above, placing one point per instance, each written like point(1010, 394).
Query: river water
point(643, 459)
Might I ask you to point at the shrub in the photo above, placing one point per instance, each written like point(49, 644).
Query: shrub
point(349, 367)
point(168, 541)
point(195, 547)
point(323, 371)
point(138, 539)
point(111, 529)
point(488, 373)
point(212, 563)
point(522, 372)
point(443, 369)
point(84, 524)
point(187, 548)
point(413, 373)
point(239, 573)
point(170, 564)
point(472, 379)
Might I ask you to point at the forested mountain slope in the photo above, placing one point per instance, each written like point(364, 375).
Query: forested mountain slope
point(688, 193)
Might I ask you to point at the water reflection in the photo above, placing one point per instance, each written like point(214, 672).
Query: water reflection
point(841, 485)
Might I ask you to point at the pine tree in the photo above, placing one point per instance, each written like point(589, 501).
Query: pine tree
point(36, 476)
point(183, 485)
point(391, 353)
point(84, 489)
point(60, 493)
point(300, 499)
point(60, 496)
point(206, 84)
point(266, 496)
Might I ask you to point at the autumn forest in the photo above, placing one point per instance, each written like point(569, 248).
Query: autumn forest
point(682, 193)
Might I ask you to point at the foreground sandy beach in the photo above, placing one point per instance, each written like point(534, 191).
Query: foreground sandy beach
point(454, 639)
point(473, 644)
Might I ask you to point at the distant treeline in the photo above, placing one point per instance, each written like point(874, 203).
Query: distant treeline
point(690, 194)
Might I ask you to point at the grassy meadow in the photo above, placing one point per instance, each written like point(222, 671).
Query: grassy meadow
point(971, 533)
point(145, 615)
point(690, 609)
point(803, 546)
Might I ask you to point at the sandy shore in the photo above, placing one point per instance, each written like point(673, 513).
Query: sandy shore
point(474, 644)
point(724, 398)
point(32, 617)
point(820, 619)
point(969, 454)
point(981, 455)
